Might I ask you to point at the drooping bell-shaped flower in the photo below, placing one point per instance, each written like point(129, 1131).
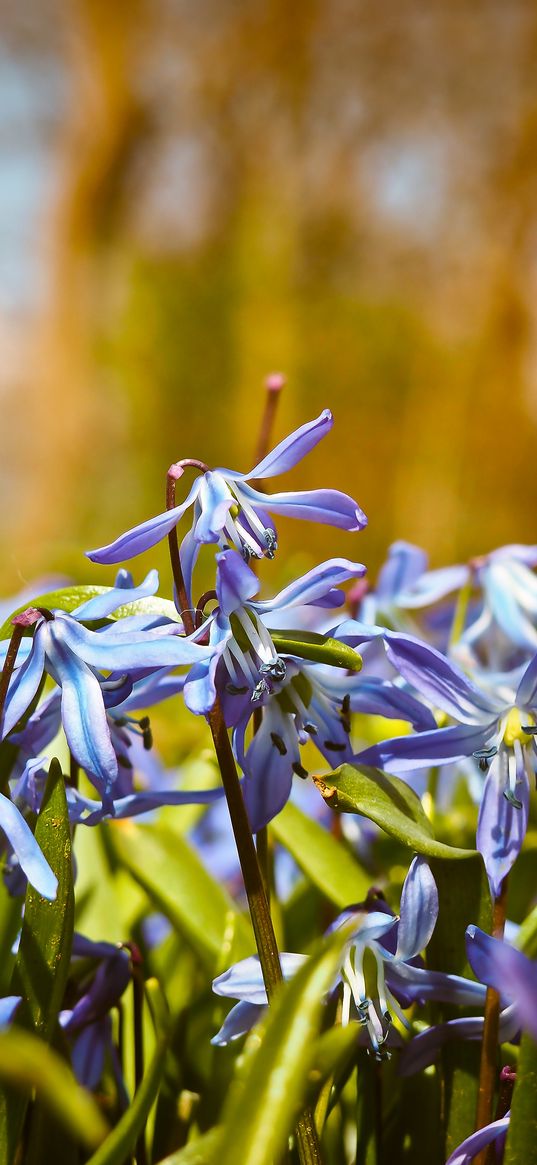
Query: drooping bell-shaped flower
point(75, 657)
point(229, 511)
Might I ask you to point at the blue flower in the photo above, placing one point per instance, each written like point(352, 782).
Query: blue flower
point(497, 730)
point(75, 656)
point(230, 511)
point(377, 947)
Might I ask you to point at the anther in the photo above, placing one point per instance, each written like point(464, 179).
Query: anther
point(311, 728)
point(278, 743)
point(235, 691)
point(299, 770)
point(333, 747)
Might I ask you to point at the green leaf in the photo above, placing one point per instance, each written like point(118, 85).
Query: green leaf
point(266, 1098)
point(175, 879)
point(464, 897)
point(202, 1151)
point(27, 1063)
point(319, 648)
point(42, 963)
point(121, 1141)
point(521, 1147)
point(69, 598)
point(390, 803)
point(324, 860)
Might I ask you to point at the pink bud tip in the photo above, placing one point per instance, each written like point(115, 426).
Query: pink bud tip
point(275, 382)
point(27, 618)
point(176, 471)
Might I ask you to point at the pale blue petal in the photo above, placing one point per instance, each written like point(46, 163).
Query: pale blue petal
point(244, 980)
point(31, 860)
point(113, 650)
point(8, 1007)
point(381, 698)
point(470, 1148)
point(314, 585)
point(289, 451)
point(241, 1019)
point(433, 586)
point(86, 811)
point(421, 749)
point(508, 971)
point(83, 715)
point(236, 583)
point(439, 680)
point(501, 826)
point(25, 683)
point(403, 567)
point(419, 910)
point(103, 605)
point(215, 500)
point(145, 535)
point(330, 507)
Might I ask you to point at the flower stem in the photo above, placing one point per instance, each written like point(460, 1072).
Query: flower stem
point(273, 386)
point(9, 664)
point(307, 1140)
point(489, 1046)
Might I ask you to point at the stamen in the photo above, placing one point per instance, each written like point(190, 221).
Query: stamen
point(299, 770)
point(278, 743)
point(333, 747)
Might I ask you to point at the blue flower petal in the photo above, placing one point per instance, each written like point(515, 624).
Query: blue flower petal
point(470, 1148)
point(508, 971)
point(314, 585)
point(115, 650)
point(289, 451)
point(83, 714)
point(145, 534)
point(215, 500)
point(244, 980)
point(328, 506)
point(438, 680)
point(404, 753)
point(381, 698)
point(501, 825)
point(241, 1019)
point(25, 682)
point(404, 565)
point(31, 860)
point(236, 583)
point(419, 910)
point(103, 605)
point(8, 1007)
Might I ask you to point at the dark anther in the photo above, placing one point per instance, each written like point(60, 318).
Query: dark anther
point(311, 728)
point(235, 691)
point(333, 747)
point(514, 801)
point(278, 743)
point(346, 705)
point(123, 761)
point(299, 770)
point(483, 764)
point(147, 737)
point(530, 729)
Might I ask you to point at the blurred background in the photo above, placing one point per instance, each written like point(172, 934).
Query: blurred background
point(195, 194)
